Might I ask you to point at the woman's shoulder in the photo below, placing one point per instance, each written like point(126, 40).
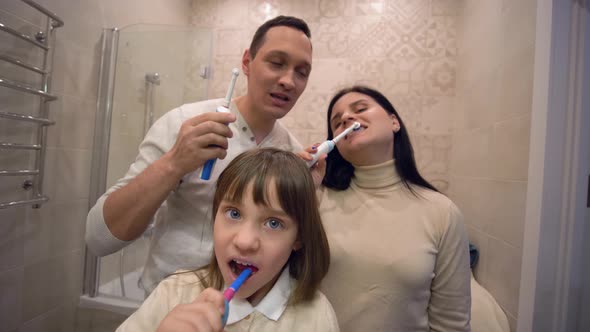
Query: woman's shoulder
point(317, 312)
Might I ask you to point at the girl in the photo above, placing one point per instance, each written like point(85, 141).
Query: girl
point(267, 219)
point(400, 259)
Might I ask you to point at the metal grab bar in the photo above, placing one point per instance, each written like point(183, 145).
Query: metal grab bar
point(19, 172)
point(21, 64)
point(25, 88)
point(28, 118)
point(24, 37)
point(33, 201)
point(16, 146)
point(57, 22)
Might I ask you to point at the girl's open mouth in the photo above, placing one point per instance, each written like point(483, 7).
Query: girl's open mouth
point(238, 266)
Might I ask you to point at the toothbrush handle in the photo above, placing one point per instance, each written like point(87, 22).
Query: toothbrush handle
point(208, 166)
point(322, 149)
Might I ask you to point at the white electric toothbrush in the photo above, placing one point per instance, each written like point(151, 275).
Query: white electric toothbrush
point(329, 145)
point(208, 167)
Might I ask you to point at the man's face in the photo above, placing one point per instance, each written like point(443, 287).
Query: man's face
point(279, 72)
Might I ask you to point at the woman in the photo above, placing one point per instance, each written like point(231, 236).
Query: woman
point(399, 250)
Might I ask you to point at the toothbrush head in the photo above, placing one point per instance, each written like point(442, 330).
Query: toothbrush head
point(356, 126)
point(235, 72)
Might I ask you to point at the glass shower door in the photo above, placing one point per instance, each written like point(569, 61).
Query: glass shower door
point(152, 69)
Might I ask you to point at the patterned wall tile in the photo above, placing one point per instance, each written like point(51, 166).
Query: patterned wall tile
point(441, 36)
point(441, 74)
point(335, 8)
point(445, 7)
point(409, 109)
point(259, 11)
point(410, 38)
point(406, 49)
point(407, 9)
point(219, 13)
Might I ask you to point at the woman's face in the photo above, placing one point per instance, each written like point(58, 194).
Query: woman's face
point(373, 143)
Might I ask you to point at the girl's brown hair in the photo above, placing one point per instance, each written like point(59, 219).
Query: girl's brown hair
point(296, 194)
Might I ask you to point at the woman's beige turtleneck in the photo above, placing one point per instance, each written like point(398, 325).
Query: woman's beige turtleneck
point(399, 262)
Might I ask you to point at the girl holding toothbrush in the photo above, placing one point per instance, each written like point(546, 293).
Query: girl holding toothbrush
point(399, 248)
point(266, 219)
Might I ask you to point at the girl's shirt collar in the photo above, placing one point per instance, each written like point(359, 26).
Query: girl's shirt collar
point(272, 305)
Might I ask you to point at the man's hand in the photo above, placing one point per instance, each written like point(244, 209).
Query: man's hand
point(200, 138)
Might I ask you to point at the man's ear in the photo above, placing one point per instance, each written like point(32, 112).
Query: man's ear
point(246, 59)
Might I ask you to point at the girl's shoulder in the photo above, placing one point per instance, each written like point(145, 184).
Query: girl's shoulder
point(183, 284)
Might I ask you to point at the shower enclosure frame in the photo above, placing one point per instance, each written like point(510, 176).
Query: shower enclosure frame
point(106, 86)
point(96, 293)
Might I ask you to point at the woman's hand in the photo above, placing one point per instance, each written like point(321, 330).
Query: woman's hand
point(202, 315)
point(318, 170)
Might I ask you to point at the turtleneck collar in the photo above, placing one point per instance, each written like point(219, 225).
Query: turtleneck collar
point(376, 176)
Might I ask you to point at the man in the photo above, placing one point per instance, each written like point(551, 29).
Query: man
point(164, 179)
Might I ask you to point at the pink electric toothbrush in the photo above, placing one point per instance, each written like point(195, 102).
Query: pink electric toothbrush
point(329, 145)
point(208, 167)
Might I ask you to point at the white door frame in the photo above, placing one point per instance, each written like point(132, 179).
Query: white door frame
point(552, 277)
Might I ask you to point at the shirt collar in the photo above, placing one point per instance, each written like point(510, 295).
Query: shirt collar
point(272, 305)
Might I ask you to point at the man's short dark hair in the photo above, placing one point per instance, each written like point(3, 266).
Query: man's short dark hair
point(286, 21)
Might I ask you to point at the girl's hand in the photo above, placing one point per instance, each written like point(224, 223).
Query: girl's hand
point(202, 315)
point(318, 170)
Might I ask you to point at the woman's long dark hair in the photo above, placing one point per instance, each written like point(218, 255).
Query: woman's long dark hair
point(339, 172)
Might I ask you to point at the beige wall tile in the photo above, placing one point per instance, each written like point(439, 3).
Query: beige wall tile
point(481, 241)
point(60, 319)
point(471, 153)
point(503, 270)
point(55, 229)
point(507, 204)
point(11, 288)
point(473, 196)
point(510, 149)
point(11, 235)
point(516, 84)
point(51, 283)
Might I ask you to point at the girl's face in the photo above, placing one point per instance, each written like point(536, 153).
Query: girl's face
point(373, 142)
point(248, 234)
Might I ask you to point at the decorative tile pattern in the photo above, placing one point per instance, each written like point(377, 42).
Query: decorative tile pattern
point(405, 48)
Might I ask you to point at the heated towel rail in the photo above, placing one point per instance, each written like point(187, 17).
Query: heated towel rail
point(44, 40)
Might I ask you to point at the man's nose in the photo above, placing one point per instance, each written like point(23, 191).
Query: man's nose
point(286, 80)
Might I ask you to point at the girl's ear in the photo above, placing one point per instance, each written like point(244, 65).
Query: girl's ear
point(297, 245)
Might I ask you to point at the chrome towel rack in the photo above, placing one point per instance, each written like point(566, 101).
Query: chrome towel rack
point(44, 40)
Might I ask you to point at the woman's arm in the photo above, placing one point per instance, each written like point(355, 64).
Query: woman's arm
point(450, 298)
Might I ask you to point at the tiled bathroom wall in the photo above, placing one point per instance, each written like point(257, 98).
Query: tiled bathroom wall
point(458, 71)
point(41, 251)
point(406, 49)
point(490, 145)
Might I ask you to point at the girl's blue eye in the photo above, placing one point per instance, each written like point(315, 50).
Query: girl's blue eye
point(274, 224)
point(233, 213)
